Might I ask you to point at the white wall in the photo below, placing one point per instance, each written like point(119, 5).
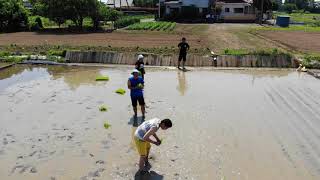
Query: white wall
point(231, 8)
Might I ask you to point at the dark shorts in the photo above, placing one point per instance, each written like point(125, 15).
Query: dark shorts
point(135, 101)
point(182, 57)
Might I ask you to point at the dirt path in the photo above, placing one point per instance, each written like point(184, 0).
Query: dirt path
point(235, 36)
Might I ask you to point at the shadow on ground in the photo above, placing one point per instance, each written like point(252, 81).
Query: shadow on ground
point(148, 176)
point(135, 122)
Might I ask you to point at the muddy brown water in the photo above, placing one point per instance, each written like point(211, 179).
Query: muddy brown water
point(228, 124)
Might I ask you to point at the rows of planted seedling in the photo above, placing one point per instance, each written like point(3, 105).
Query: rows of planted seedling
point(153, 26)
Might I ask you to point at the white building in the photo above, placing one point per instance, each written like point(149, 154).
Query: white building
point(173, 7)
point(237, 10)
point(118, 3)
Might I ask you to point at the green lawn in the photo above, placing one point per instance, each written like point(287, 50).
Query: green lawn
point(305, 28)
point(307, 18)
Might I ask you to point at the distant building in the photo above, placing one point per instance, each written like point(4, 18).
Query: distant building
point(237, 10)
point(27, 4)
point(118, 3)
point(175, 7)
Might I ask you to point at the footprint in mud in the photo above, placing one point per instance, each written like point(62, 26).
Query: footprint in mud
point(106, 144)
point(24, 168)
point(93, 174)
point(100, 162)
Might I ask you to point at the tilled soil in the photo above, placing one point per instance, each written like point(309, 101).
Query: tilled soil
point(300, 41)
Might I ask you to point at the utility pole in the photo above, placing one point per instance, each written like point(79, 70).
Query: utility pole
point(159, 9)
point(261, 18)
point(127, 4)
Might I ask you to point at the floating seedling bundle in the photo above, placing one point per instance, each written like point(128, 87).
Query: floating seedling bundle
point(102, 78)
point(120, 91)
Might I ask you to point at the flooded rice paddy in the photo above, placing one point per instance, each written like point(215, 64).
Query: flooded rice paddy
point(230, 125)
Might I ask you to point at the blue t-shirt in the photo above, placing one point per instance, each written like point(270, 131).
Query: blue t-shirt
point(134, 83)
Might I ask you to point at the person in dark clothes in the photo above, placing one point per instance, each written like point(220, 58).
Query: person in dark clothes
point(140, 65)
point(136, 85)
point(184, 47)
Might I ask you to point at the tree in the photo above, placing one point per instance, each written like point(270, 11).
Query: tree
point(55, 10)
point(289, 7)
point(145, 3)
point(99, 13)
point(275, 5)
point(301, 4)
point(13, 15)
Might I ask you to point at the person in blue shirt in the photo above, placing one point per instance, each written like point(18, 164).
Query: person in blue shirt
point(136, 85)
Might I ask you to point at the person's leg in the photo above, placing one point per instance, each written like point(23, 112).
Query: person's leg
point(184, 61)
point(143, 110)
point(148, 152)
point(142, 105)
point(142, 162)
point(134, 105)
point(142, 150)
point(179, 61)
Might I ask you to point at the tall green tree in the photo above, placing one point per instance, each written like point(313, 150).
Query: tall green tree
point(301, 4)
point(13, 15)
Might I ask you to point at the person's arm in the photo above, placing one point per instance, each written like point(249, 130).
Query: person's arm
point(150, 133)
point(156, 137)
point(179, 45)
point(188, 46)
point(129, 85)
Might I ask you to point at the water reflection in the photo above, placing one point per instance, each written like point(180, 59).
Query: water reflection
point(14, 70)
point(182, 86)
point(75, 76)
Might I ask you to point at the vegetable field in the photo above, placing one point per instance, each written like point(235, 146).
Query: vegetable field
point(153, 26)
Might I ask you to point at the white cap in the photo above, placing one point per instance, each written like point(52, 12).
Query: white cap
point(135, 71)
point(140, 56)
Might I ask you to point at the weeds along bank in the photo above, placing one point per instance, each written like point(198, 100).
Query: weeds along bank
point(158, 56)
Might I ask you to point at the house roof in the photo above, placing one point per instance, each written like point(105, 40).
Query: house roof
point(235, 1)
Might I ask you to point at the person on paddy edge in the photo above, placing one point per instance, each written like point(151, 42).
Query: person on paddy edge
point(140, 65)
point(145, 135)
point(136, 85)
point(184, 47)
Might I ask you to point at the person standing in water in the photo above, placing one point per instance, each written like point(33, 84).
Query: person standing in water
point(136, 85)
point(140, 65)
point(143, 140)
point(184, 47)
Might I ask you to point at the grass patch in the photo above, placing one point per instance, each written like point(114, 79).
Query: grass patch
point(153, 26)
point(235, 52)
point(260, 52)
point(304, 28)
point(46, 49)
point(126, 21)
point(14, 59)
point(53, 52)
point(307, 18)
point(4, 53)
point(311, 61)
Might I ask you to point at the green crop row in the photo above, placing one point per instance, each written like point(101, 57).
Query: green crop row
point(153, 26)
